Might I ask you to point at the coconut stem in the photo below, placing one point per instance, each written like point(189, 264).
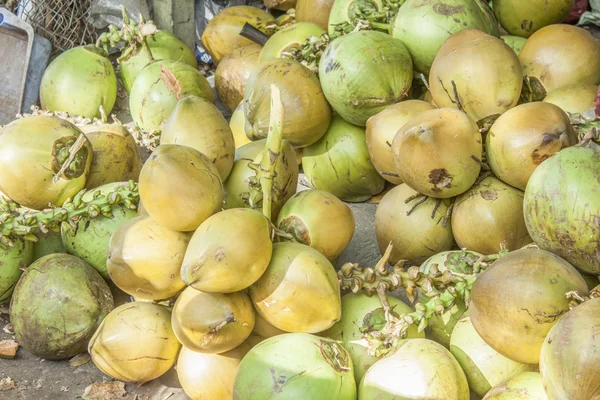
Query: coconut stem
point(79, 143)
point(131, 33)
point(18, 222)
point(250, 32)
point(575, 299)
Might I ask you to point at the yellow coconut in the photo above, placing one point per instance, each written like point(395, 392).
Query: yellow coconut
point(233, 73)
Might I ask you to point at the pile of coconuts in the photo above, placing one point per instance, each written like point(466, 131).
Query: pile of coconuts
point(471, 124)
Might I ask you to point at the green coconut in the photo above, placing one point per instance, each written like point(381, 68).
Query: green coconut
point(196, 122)
point(524, 386)
point(419, 369)
point(523, 18)
point(415, 236)
point(339, 163)
point(13, 260)
point(483, 366)
point(288, 39)
point(57, 306)
point(88, 237)
point(423, 27)
point(48, 243)
point(514, 42)
point(359, 57)
point(361, 315)
point(285, 183)
point(79, 82)
point(159, 87)
point(307, 113)
point(574, 99)
point(322, 371)
point(560, 206)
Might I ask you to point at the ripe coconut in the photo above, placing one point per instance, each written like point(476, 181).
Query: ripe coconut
point(315, 11)
point(381, 130)
point(79, 82)
point(228, 252)
point(211, 376)
point(339, 163)
point(57, 306)
point(322, 371)
point(361, 315)
point(419, 369)
point(88, 238)
point(115, 155)
point(516, 301)
point(351, 60)
point(14, 260)
point(483, 366)
point(222, 34)
point(135, 343)
point(525, 18)
point(197, 123)
point(237, 124)
point(524, 386)
point(477, 73)
point(33, 151)
point(233, 73)
point(288, 39)
point(307, 113)
point(560, 55)
point(424, 27)
point(416, 236)
point(489, 218)
point(144, 259)
point(524, 137)
point(302, 217)
point(570, 354)
point(560, 206)
point(180, 187)
point(299, 291)
point(573, 99)
point(159, 87)
point(212, 322)
point(436, 153)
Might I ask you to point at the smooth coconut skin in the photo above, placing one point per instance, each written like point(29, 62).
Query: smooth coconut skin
point(222, 34)
point(159, 87)
point(561, 204)
point(228, 252)
point(339, 163)
point(135, 343)
point(570, 355)
point(574, 99)
point(209, 376)
point(141, 268)
point(419, 369)
point(423, 27)
point(48, 243)
point(237, 124)
point(416, 236)
point(381, 130)
point(233, 73)
point(78, 82)
point(322, 370)
point(434, 153)
point(288, 38)
point(28, 150)
point(523, 18)
point(90, 237)
point(212, 322)
point(524, 386)
point(560, 55)
point(57, 305)
point(302, 217)
point(516, 301)
point(197, 123)
point(315, 11)
point(299, 291)
point(488, 218)
point(522, 138)
point(20, 255)
point(115, 155)
point(516, 43)
point(484, 367)
point(362, 314)
point(485, 70)
point(180, 187)
point(307, 113)
point(351, 59)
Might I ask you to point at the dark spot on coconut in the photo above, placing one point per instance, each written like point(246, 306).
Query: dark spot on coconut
point(504, 103)
point(335, 355)
point(489, 194)
point(447, 9)
point(527, 25)
point(297, 228)
point(440, 178)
